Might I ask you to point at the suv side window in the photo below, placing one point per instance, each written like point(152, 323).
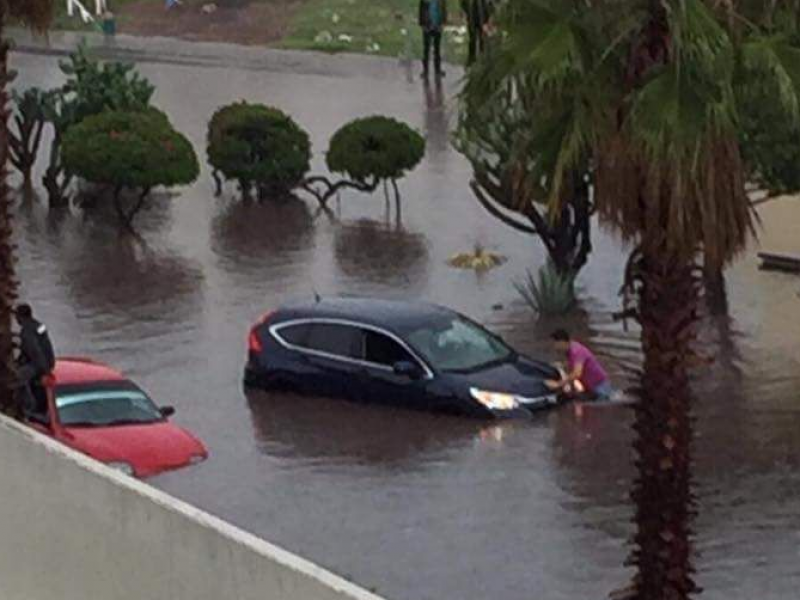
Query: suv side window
point(336, 339)
point(296, 335)
point(383, 350)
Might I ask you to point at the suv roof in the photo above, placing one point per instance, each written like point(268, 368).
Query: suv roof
point(394, 315)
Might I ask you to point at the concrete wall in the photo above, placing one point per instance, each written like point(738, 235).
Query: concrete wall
point(72, 529)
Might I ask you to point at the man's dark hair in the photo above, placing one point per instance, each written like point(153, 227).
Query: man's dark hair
point(560, 335)
point(24, 311)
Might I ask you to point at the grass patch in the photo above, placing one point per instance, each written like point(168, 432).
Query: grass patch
point(63, 22)
point(383, 27)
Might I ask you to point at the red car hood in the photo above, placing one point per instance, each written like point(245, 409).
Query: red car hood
point(150, 448)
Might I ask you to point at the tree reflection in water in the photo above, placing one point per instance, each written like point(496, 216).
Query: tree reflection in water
point(368, 252)
point(253, 238)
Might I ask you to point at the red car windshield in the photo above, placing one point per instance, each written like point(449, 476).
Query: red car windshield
point(105, 407)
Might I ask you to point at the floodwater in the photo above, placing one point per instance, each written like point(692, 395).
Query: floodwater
point(415, 506)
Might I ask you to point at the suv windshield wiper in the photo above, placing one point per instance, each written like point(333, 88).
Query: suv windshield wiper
point(509, 358)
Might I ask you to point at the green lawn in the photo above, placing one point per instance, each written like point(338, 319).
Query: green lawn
point(382, 27)
point(385, 27)
point(63, 21)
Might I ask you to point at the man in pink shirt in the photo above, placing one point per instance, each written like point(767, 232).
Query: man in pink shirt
point(582, 366)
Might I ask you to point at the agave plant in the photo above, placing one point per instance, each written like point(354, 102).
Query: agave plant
point(549, 293)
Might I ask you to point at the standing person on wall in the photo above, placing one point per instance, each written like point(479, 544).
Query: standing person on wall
point(432, 19)
point(478, 14)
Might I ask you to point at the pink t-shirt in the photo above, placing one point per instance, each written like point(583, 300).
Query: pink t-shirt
point(593, 373)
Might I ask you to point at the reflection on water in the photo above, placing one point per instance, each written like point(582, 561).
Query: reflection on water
point(252, 237)
point(368, 252)
point(289, 426)
point(418, 506)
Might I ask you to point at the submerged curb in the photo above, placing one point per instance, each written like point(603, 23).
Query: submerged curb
point(213, 54)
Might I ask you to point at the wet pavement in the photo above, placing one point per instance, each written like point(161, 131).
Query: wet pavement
point(416, 506)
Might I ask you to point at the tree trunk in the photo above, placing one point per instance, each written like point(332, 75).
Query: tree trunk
point(55, 179)
point(716, 291)
point(126, 217)
point(398, 205)
point(667, 294)
point(8, 280)
point(217, 177)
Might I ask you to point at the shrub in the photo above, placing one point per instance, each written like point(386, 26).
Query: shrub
point(96, 86)
point(258, 145)
point(552, 293)
point(129, 150)
point(91, 88)
point(375, 149)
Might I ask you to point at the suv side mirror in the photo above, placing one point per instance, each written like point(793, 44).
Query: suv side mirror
point(167, 411)
point(408, 369)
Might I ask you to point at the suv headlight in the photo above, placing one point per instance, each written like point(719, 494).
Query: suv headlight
point(495, 400)
point(123, 467)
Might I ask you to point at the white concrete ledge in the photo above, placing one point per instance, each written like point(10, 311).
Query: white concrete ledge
point(71, 528)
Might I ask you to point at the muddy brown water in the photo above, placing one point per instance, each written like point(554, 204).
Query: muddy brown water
point(416, 506)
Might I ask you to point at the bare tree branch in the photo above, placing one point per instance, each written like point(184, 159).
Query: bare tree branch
point(323, 189)
point(499, 214)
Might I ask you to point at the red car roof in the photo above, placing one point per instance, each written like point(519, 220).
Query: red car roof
point(70, 371)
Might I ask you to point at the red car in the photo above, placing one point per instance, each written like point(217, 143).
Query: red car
point(95, 410)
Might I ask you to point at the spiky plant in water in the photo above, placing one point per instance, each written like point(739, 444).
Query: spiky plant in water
point(652, 91)
point(550, 292)
point(35, 14)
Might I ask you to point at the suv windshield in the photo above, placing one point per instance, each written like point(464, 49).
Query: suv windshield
point(105, 407)
point(457, 344)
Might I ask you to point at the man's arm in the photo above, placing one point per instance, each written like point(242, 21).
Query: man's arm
point(573, 376)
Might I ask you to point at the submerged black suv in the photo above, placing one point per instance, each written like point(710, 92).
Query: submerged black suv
point(406, 354)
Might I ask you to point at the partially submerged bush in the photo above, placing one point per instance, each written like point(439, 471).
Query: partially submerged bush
point(551, 293)
point(129, 150)
point(369, 152)
point(259, 146)
point(375, 149)
point(92, 87)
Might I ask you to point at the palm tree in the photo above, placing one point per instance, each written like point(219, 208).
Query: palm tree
point(35, 14)
point(655, 92)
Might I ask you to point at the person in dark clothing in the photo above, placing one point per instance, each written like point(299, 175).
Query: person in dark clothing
point(36, 358)
point(478, 14)
point(432, 19)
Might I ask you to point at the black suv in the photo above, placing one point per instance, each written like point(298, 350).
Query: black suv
point(406, 354)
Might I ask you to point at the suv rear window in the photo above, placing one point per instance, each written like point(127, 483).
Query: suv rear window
point(296, 335)
point(330, 338)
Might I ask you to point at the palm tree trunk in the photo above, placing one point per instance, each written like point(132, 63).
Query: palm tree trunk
point(8, 281)
point(667, 294)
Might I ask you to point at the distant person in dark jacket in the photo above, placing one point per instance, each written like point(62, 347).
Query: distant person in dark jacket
point(478, 14)
point(36, 357)
point(432, 19)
